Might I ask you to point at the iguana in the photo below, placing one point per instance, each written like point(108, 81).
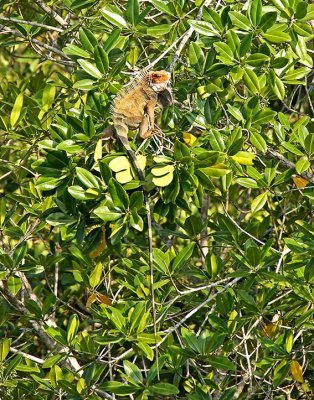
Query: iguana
point(134, 107)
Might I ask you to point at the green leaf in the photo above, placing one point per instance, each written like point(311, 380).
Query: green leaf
point(48, 96)
point(183, 256)
point(255, 11)
point(204, 28)
point(84, 84)
point(158, 30)
point(132, 371)
point(240, 20)
point(302, 165)
point(257, 59)
point(73, 50)
point(162, 6)
point(258, 141)
point(163, 175)
point(114, 18)
point(87, 178)
point(87, 39)
point(221, 362)
point(280, 372)
point(106, 214)
point(225, 54)
point(118, 194)
point(90, 68)
point(196, 57)
point(163, 389)
point(245, 44)
point(251, 80)
point(264, 116)
point(259, 202)
point(290, 147)
point(309, 144)
point(118, 388)
point(16, 110)
point(133, 11)
point(72, 328)
point(268, 20)
point(4, 348)
point(277, 85)
point(247, 182)
point(96, 275)
point(276, 35)
point(50, 361)
point(60, 219)
point(216, 171)
point(101, 59)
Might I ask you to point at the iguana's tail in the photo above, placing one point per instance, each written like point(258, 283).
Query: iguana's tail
point(122, 133)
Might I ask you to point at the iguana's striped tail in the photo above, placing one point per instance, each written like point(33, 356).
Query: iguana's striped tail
point(122, 133)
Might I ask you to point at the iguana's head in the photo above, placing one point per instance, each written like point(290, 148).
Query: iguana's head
point(159, 80)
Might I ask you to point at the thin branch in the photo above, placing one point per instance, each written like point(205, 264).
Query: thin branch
point(196, 309)
point(6, 30)
point(51, 12)
point(187, 36)
point(38, 327)
point(204, 232)
point(26, 355)
point(31, 23)
point(289, 164)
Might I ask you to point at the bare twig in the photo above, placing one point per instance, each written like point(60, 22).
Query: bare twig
point(26, 355)
point(289, 164)
point(187, 36)
point(51, 12)
point(31, 23)
point(13, 32)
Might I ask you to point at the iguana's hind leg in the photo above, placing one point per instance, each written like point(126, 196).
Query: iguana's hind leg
point(144, 130)
point(147, 125)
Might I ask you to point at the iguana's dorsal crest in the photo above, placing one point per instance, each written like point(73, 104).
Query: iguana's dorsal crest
point(134, 82)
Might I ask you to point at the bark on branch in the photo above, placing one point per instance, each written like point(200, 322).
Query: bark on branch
point(289, 164)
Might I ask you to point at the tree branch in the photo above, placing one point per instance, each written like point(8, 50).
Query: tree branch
point(187, 35)
point(51, 12)
point(289, 164)
point(5, 30)
point(31, 23)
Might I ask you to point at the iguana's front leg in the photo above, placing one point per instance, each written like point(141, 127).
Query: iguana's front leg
point(147, 125)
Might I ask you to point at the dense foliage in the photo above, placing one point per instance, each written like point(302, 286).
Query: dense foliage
point(230, 184)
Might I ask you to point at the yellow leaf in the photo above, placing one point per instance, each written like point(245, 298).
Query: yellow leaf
point(300, 182)
point(16, 111)
point(119, 164)
point(163, 175)
point(164, 180)
point(244, 157)
point(270, 330)
point(188, 138)
point(124, 176)
point(164, 170)
point(104, 299)
point(101, 247)
point(141, 161)
point(296, 371)
point(161, 159)
point(98, 150)
point(91, 299)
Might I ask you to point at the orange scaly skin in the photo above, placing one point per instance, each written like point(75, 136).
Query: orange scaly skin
point(141, 98)
point(134, 108)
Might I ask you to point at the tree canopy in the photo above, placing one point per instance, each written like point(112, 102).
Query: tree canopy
point(229, 178)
